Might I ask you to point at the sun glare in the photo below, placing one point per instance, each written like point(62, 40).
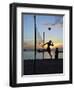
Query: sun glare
point(56, 45)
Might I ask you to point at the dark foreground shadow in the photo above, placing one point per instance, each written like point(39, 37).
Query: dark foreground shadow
point(46, 66)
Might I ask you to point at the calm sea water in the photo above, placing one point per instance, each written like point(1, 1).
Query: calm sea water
point(30, 55)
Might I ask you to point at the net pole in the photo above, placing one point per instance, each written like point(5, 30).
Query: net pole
point(43, 43)
point(35, 34)
point(34, 65)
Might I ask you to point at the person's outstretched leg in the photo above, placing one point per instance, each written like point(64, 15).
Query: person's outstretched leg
point(50, 54)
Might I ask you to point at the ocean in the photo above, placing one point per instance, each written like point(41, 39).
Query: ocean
point(29, 55)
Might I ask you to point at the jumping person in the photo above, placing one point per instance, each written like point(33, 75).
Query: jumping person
point(50, 43)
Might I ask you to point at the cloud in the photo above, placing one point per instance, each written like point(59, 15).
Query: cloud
point(58, 23)
point(54, 26)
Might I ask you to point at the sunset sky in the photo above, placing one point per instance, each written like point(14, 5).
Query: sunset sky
point(42, 24)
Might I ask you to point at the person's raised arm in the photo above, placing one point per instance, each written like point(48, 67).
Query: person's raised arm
point(45, 43)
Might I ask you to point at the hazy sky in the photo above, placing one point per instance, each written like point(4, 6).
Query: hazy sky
point(42, 24)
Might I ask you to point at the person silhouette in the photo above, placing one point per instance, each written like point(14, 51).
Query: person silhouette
point(50, 43)
point(56, 53)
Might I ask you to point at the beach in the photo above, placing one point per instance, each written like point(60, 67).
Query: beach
point(46, 66)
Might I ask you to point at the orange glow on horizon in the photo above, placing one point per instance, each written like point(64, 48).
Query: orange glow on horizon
point(56, 45)
point(40, 45)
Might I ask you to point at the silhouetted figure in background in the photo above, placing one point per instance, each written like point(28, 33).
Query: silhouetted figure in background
point(56, 53)
point(50, 43)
